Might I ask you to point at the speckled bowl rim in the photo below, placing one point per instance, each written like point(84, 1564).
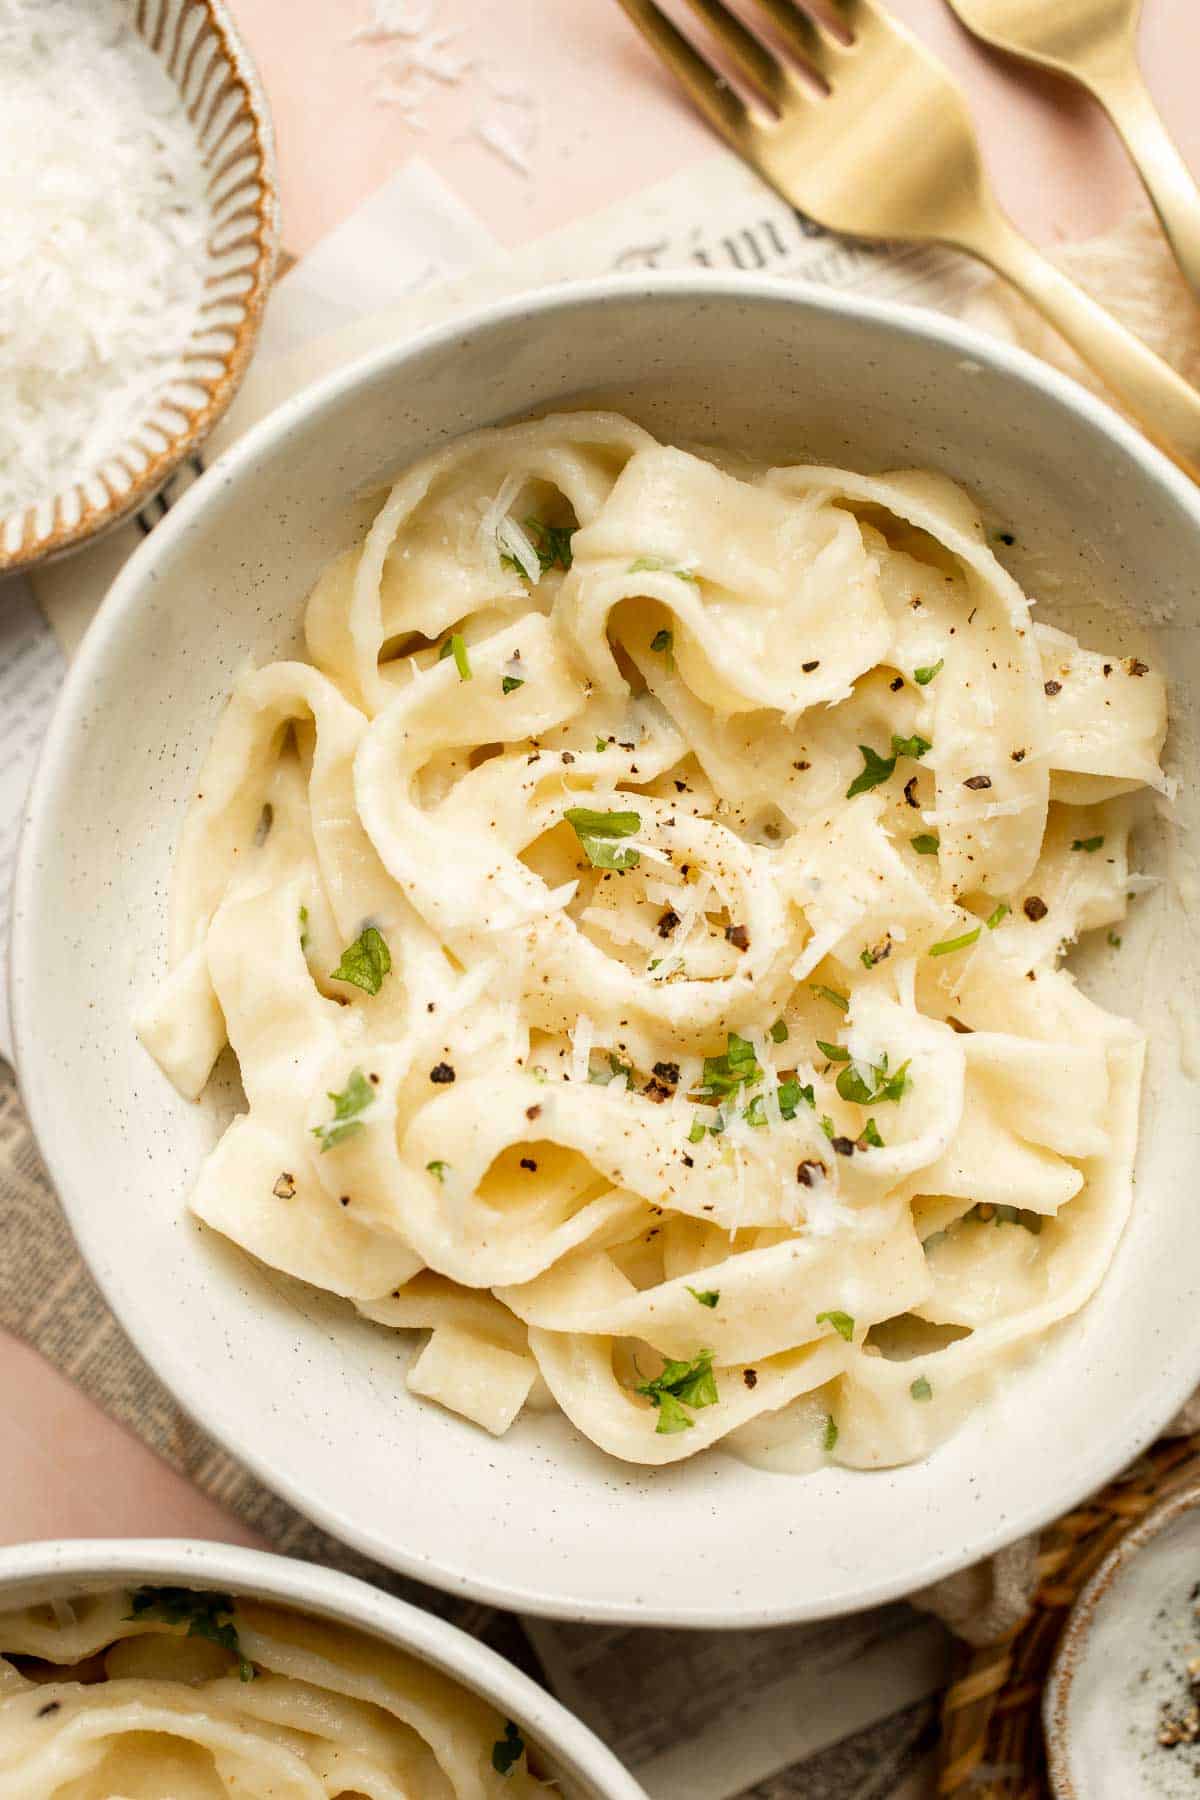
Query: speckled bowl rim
point(134, 590)
point(96, 523)
point(1057, 1699)
point(94, 1563)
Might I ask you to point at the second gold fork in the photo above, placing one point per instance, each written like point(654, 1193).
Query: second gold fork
point(868, 135)
point(1093, 42)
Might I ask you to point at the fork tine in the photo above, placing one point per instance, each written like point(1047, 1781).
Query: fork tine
point(712, 94)
point(804, 37)
point(751, 56)
point(859, 16)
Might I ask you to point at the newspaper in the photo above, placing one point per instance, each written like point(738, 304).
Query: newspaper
point(31, 671)
point(713, 1714)
point(836, 1711)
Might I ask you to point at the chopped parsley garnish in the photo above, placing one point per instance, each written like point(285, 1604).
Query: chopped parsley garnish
point(599, 832)
point(601, 744)
point(303, 928)
point(365, 962)
point(706, 1296)
point(923, 677)
point(551, 545)
point(205, 1615)
point(920, 1389)
point(602, 1077)
point(697, 1131)
point(790, 1094)
point(756, 1112)
point(955, 943)
point(841, 1001)
point(1089, 844)
point(657, 565)
point(510, 683)
point(508, 1750)
point(1114, 940)
point(438, 1168)
point(829, 1436)
point(680, 1385)
point(1000, 912)
point(914, 746)
point(875, 770)
point(835, 1052)
point(779, 1032)
point(736, 1067)
point(842, 1323)
point(875, 1084)
point(356, 1097)
point(664, 642)
point(925, 843)
point(828, 1127)
point(870, 1135)
point(456, 647)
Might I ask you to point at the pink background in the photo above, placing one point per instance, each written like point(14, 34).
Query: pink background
point(609, 123)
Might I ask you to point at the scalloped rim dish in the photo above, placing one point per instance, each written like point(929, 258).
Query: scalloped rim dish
point(202, 51)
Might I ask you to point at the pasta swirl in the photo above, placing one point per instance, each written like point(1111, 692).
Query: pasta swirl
point(132, 1696)
point(639, 926)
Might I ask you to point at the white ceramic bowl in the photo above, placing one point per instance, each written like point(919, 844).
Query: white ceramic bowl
point(31, 1574)
point(312, 1398)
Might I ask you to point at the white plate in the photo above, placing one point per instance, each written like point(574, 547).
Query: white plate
point(1124, 1652)
point(313, 1399)
point(31, 1574)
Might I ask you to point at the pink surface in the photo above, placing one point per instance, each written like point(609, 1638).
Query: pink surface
point(608, 122)
point(68, 1471)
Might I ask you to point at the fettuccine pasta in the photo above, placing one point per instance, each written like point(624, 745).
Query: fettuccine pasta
point(639, 926)
point(193, 1695)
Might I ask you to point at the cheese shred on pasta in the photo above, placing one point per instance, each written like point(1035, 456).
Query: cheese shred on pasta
point(164, 1692)
point(724, 830)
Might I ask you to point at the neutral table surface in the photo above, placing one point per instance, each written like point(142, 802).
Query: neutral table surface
point(609, 123)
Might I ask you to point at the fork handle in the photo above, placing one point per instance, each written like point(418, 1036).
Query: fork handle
point(1165, 176)
point(1164, 405)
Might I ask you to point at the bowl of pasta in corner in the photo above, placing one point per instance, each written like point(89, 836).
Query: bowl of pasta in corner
point(155, 1666)
point(635, 984)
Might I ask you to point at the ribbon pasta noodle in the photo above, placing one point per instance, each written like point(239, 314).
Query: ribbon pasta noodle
point(133, 1696)
point(639, 925)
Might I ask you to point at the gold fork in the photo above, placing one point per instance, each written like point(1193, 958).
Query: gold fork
point(887, 150)
point(1094, 42)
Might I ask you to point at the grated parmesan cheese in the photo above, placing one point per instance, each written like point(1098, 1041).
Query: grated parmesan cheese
point(582, 1039)
point(417, 54)
point(102, 192)
point(420, 55)
point(502, 536)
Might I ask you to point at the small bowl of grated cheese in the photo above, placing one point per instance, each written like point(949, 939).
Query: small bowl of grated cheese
point(138, 192)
